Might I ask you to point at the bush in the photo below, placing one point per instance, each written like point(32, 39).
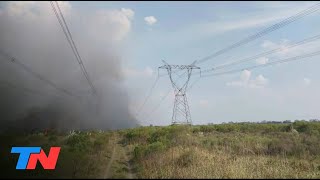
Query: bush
point(146, 150)
point(159, 135)
point(286, 144)
point(207, 129)
point(307, 127)
point(138, 135)
point(79, 142)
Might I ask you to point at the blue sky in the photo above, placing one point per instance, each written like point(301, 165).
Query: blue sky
point(144, 33)
point(186, 31)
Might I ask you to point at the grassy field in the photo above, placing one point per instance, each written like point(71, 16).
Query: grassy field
point(82, 154)
point(242, 150)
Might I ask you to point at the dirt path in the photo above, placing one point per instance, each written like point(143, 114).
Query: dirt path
point(108, 172)
point(118, 165)
point(130, 174)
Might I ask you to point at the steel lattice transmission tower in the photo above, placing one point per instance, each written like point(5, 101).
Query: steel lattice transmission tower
point(181, 112)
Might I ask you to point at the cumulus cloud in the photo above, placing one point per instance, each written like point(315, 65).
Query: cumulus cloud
point(245, 76)
point(128, 12)
point(262, 60)
point(259, 81)
point(150, 20)
point(246, 81)
point(117, 22)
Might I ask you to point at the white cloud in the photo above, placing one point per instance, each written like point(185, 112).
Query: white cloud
point(283, 44)
point(246, 81)
point(287, 49)
point(267, 16)
point(307, 81)
point(261, 20)
point(150, 20)
point(128, 12)
point(245, 75)
point(262, 60)
point(118, 22)
point(260, 81)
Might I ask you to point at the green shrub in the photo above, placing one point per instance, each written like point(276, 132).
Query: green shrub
point(307, 127)
point(146, 150)
point(158, 135)
point(138, 135)
point(207, 129)
point(79, 142)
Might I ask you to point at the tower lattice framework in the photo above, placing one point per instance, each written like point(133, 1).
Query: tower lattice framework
point(181, 112)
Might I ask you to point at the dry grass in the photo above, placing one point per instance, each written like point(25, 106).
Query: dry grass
point(215, 151)
point(226, 151)
point(210, 164)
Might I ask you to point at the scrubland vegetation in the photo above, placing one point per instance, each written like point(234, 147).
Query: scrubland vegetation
point(82, 155)
point(238, 150)
point(227, 151)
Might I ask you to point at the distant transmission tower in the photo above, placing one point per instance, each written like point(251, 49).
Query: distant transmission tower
point(181, 113)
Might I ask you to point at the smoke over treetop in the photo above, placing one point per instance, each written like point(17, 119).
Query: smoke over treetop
point(30, 33)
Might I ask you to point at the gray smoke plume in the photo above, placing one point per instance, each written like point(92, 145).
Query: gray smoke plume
point(30, 32)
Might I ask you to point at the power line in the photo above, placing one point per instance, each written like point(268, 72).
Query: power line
point(80, 59)
point(257, 66)
point(72, 44)
point(274, 27)
point(304, 41)
point(267, 64)
point(148, 96)
point(24, 89)
point(281, 24)
point(29, 70)
point(151, 89)
point(194, 82)
point(158, 105)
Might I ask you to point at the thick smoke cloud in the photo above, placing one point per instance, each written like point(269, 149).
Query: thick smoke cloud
point(30, 32)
